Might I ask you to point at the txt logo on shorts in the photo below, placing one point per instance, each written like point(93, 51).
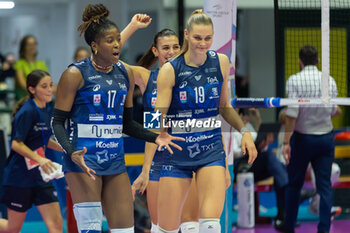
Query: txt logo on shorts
point(151, 120)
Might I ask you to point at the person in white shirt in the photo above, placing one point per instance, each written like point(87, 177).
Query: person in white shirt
point(309, 138)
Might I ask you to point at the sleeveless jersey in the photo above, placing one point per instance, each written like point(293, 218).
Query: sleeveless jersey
point(97, 116)
point(194, 112)
point(150, 95)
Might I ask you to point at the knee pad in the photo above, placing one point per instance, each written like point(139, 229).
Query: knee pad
point(123, 230)
point(161, 230)
point(88, 216)
point(154, 228)
point(209, 225)
point(189, 227)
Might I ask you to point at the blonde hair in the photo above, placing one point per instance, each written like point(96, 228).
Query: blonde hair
point(197, 17)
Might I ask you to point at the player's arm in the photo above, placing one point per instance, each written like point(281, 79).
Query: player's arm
point(138, 21)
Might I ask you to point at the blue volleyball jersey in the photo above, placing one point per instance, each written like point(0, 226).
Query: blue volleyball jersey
point(33, 129)
point(194, 112)
point(97, 117)
point(150, 95)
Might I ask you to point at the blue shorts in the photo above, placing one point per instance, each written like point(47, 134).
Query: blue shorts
point(187, 171)
point(117, 167)
point(156, 166)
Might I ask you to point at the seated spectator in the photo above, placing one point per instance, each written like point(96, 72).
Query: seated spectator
point(266, 163)
point(27, 61)
point(7, 100)
point(81, 53)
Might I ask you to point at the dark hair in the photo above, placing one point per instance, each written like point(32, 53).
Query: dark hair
point(32, 81)
point(148, 59)
point(95, 22)
point(23, 45)
point(78, 50)
point(308, 55)
point(197, 17)
point(243, 111)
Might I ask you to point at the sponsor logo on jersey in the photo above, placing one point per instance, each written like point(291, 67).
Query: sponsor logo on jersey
point(94, 77)
point(212, 80)
point(207, 147)
point(97, 99)
point(212, 109)
point(210, 70)
point(183, 84)
point(154, 91)
point(109, 81)
point(106, 145)
point(212, 53)
point(96, 117)
point(96, 87)
point(198, 77)
point(185, 73)
point(214, 93)
point(40, 126)
point(183, 96)
point(153, 101)
point(193, 150)
point(199, 138)
point(122, 86)
point(99, 131)
point(111, 117)
point(199, 111)
point(102, 156)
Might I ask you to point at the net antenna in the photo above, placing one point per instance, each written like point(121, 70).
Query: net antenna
point(325, 51)
point(324, 24)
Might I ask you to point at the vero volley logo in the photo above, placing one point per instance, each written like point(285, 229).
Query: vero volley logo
point(151, 120)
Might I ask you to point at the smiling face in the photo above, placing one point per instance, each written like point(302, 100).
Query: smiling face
point(42, 92)
point(167, 47)
point(107, 47)
point(199, 38)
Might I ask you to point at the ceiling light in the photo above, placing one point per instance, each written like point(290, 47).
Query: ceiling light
point(7, 4)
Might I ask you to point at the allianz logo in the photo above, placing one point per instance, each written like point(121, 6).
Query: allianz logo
point(101, 144)
point(198, 139)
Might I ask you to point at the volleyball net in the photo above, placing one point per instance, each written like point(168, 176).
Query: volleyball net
point(323, 24)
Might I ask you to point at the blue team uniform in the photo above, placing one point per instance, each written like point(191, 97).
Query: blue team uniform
point(33, 129)
point(149, 102)
point(195, 98)
point(96, 120)
point(23, 184)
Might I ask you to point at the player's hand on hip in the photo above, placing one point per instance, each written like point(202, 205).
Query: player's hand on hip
point(78, 158)
point(286, 152)
point(165, 140)
point(248, 146)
